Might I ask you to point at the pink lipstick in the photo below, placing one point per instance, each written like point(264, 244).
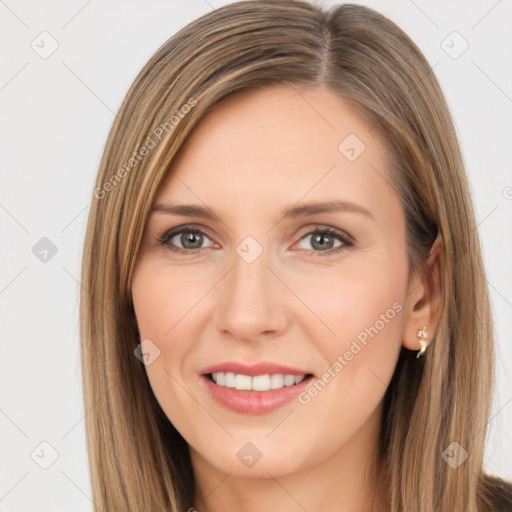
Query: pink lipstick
point(254, 389)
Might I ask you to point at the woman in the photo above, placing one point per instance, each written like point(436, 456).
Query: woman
point(283, 302)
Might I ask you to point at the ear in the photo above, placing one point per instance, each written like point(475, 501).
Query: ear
point(424, 302)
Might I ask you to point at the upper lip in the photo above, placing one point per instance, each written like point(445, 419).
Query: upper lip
point(262, 368)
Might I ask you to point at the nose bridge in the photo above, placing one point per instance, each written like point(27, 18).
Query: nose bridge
point(249, 302)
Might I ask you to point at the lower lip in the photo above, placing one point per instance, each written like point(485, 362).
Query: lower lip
point(254, 402)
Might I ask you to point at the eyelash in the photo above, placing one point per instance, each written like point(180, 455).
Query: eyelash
point(347, 241)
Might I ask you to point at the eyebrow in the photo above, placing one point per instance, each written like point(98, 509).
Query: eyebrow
point(294, 212)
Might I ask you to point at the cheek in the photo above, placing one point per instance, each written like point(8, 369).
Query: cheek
point(362, 310)
point(162, 298)
point(164, 303)
point(354, 300)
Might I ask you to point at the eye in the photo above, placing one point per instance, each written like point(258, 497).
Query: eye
point(191, 240)
point(326, 241)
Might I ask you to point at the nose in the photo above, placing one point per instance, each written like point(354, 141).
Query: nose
point(251, 301)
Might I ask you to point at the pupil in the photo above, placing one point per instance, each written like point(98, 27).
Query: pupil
point(185, 238)
point(317, 240)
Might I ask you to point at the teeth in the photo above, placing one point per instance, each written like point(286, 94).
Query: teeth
point(289, 380)
point(276, 381)
point(230, 380)
point(256, 383)
point(243, 382)
point(261, 383)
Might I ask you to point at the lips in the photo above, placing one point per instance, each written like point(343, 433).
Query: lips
point(254, 389)
point(255, 369)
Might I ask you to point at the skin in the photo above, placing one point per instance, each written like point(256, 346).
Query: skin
point(255, 155)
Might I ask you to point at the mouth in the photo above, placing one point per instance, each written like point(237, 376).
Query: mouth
point(261, 383)
point(256, 389)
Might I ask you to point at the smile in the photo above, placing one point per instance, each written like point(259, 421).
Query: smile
point(254, 389)
point(266, 382)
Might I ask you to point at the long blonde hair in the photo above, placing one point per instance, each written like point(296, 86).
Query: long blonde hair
point(138, 461)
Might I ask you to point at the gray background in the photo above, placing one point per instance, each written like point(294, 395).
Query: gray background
point(56, 113)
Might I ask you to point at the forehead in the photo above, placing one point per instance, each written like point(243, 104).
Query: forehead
point(278, 145)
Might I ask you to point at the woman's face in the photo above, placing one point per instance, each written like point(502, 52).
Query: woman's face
point(305, 324)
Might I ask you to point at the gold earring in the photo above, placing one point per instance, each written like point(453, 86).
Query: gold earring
point(422, 335)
